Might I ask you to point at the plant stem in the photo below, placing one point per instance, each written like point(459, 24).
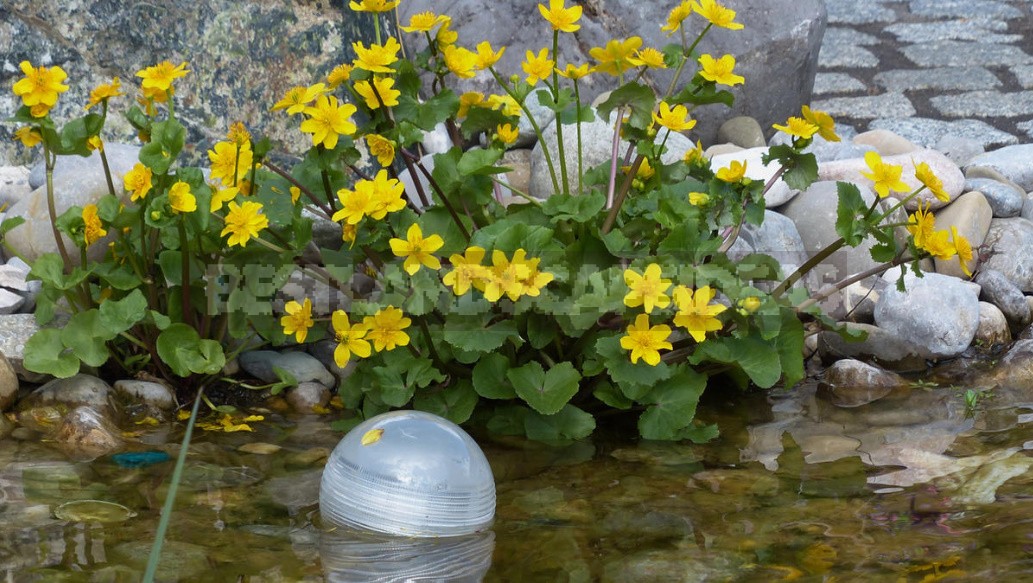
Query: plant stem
point(188, 315)
point(612, 184)
point(308, 193)
point(560, 145)
point(809, 265)
point(839, 285)
point(444, 199)
point(611, 217)
point(534, 125)
point(580, 158)
point(51, 159)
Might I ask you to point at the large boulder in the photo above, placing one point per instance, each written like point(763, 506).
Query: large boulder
point(939, 314)
point(243, 56)
point(777, 52)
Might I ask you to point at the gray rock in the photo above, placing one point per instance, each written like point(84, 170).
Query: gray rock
point(324, 352)
point(1015, 369)
point(885, 142)
point(14, 184)
point(1001, 292)
point(15, 331)
point(779, 53)
point(597, 145)
point(927, 132)
point(948, 172)
point(300, 286)
point(776, 236)
point(8, 384)
point(1011, 161)
point(543, 116)
point(304, 367)
point(971, 214)
point(86, 434)
point(867, 106)
point(858, 301)
point(742, 131)
point(881, 345)
point(958, 149)
point(77, 182)
point(81, 390)
point(148, 393)
point(826, 151)
point(1005, 201)
point(1006, 249)
point(939, 314)
point(308, 395)
point(852, 383)
point(10, 302)
point(224, 62)
point(993, 327)
point(520, 175)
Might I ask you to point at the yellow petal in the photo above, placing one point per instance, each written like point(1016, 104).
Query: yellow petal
point(372, 436)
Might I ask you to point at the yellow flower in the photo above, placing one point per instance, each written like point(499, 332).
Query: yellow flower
point(382, 86)
point(649, 57)
point(93, 229)
point(466, 270)
point(695, 155)
point(938, 245)
point(338, 75)
point(350, 339)
point(695, 312)
point(445, 36)
point(750, 304)
point(349, 233)
point(615, 57)
point(377, 58)
point(373, 5)
point(507, 133)
point(151, 96)
point(562, 19)
point(698, 198)
point(295, 194)
point(297, 98)
point(239, 135)
point(719, 71)
point(29, 136)
point(328, 121)
point(676, 16)
point(230, 162)
point(735, 172)
point(39, 110)
point(486, 56)
point(162, 75)
point(886, 177)
point(574, 73)
point(298, 319)
point(798, 127)
point(717, 14)
point(504, 277)
point(921, 225)
point(386, 328)
point(963, 249)
point(925, 175)
point(181, 200)
point(374, 198)
point(221, 196)
point(468, 100)
point(647, 289)
point(244, 222)
point(506, 103)
point(424, 22)
point(460, 61)
point(537, 67)
point(102, 93)
point(535, 279)
point(382, 148)
point(674, 119)
point(138, 181)
point(417, 250)
point(41, 85)
point(646, 342)
point(826, 125)
point(94, 143)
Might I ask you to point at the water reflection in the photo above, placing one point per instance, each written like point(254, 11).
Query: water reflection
point(351, 556)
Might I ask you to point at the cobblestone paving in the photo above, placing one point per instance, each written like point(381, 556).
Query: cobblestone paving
point(930, 68)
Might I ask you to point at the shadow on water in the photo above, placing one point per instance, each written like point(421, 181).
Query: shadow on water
point(915, 486)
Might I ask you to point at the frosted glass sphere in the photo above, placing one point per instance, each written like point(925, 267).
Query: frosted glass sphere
point(408, 473)
point(351, 556)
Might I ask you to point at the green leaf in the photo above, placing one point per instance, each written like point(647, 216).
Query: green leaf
point(610, 395)
point(568, 423)
point(580, 209)
point(392, 389)
point(45, 353)
point(758, 359)
point(470, 333)
point(508, 236)
point(117, 316)
point(541, 330)
point(634, 380)
point(849, 214)
point(509, 420)
point(85, 336)
point(167, 139)
point(803, 173)
point(438, 221)
point(489, 377)
point(477, 161)
point(49, 269)
point(640, 98)
point(545, 392)
point(456, 403)
point(120, 277)
point(789, 344)
point(182, 349)
point(672, 405)
point(10, 223)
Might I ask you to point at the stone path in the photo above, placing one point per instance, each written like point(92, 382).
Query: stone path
point(930, 68)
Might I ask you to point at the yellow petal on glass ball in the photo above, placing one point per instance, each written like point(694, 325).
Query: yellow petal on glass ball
point(372, 436)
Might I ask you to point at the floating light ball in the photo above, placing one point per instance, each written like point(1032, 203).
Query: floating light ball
point(408, 473)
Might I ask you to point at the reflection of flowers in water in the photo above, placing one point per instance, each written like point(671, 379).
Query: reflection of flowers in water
point(353, 555)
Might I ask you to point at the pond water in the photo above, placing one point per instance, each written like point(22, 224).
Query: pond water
point(921, 485)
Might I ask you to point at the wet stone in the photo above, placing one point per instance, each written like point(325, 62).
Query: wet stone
point(833, 83)
point(961, 29)
point(846, 56)
point(982, 103)
point(982, 10)
point(944, 78)
point(927, 132)
point(852, 383)
point(867, 107)
point(847, 12)
point(949, 53)
point(1005, 200)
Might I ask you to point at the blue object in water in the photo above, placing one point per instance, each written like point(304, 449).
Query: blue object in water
point(140, 459)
